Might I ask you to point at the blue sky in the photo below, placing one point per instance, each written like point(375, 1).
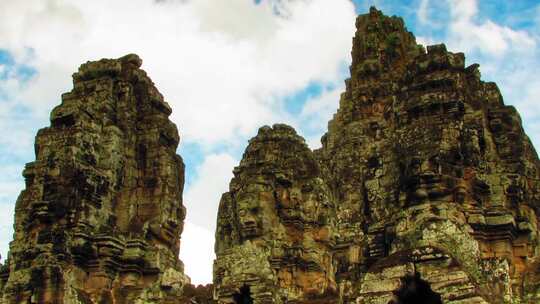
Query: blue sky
point(226, 75)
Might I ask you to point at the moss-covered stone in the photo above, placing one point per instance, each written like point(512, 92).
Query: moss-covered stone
point(85, 210)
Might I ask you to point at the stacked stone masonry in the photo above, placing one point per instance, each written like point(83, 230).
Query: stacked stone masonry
point(424, 173)
point(425, 187)
point(101, 216)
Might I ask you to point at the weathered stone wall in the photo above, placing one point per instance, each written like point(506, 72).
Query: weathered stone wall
point(426, 155)
point(425, 180)
point(426, 171)
point(101, 216)
point(275, 225)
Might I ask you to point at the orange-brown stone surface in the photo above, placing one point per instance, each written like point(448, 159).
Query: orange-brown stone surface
point(425, 190)
point(274, 225)
point(428, 181)
point(101, 216)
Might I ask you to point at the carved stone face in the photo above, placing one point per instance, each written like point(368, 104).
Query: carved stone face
point(507, 136)
point(289, 201)
point(315, 280)
point(248, 205)
point(172, 215)
point(40, 210)
point(427, 181)
point(316, 200)
point(312, 282)
point(168, 228)
point(302, 201)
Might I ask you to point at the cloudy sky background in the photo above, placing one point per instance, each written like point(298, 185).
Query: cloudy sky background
point(228, 67)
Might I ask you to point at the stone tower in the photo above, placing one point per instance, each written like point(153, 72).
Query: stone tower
point(274, 225)
point(101, 216)
point(428, 178)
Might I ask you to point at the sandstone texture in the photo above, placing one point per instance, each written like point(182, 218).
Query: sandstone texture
point(274, 226)
point(425, 190)
point(101, 216)
point(425, 180)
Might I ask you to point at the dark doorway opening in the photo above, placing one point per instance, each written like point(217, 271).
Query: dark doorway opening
point(244, 297)
point(414, 290)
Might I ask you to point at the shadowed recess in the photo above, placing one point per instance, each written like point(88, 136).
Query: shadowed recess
point(414, 290)
point(244, 297)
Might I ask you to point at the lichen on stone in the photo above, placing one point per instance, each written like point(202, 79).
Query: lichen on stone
point(425, 184)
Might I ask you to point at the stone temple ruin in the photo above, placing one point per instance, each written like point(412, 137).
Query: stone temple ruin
point(425, 190)
point(100, 218)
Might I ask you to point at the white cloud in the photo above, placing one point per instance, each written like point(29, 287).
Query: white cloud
point(17, 137)
point(532, 129)
point(537, 19)
point(6, 228)
point(489, 38)
point(218, 70)
point(463, 9)
point(317, 112)
point(202, 201)
point(423, 12)
point(225, 19)
point(10, 189)
point(425, 41)
point(197, 253)
point(320, 108)
point(202, 197)
point(526, 99)
point(11, 183)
